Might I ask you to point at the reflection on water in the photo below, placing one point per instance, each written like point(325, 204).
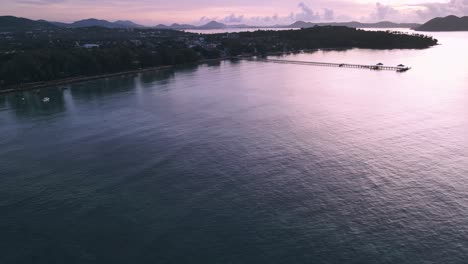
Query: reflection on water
point(2, 101)
point(243, 162)
point(31, 104)
point(162, 76)
point(103, 87)
point(213, 63)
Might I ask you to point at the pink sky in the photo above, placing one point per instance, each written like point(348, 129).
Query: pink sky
point(260, 12)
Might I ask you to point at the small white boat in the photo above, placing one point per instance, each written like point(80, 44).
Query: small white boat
point(46, 99)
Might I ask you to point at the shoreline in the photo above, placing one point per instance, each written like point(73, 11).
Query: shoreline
point(78, 79)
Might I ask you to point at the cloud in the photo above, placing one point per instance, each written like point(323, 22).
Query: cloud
point(306, 13)
point(431, 10)
point(230, 19)
point(206, 19)
point(418, 12)
point(328, 14)
point(233, 19)
point(383, 12)
point(254, 12)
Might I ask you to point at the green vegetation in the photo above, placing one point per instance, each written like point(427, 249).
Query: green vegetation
point(45, 55)
point(324, 37)
point(50, 64)
point(48, 54)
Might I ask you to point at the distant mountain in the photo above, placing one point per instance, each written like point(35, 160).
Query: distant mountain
point(58, 24)
point(181, 26)
point(210, 25)
point(354, 24)
point(162, 26)
point(449, 23)
point(213, 25)
point(128, 24)
point(11, 24)
point(301, 24)
point(92, 22)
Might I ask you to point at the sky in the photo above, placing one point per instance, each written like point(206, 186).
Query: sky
point(252, 12)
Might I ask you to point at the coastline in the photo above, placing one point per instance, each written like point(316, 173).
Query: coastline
point(78, 79)
point(66, 81)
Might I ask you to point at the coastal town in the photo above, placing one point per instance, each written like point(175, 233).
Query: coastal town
point(44, 53)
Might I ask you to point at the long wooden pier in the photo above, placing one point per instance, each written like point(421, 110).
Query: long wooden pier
point(339, 65)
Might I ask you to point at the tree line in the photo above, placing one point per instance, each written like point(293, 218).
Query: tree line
point(50, 56)
point(317, 37)
point(50, 64)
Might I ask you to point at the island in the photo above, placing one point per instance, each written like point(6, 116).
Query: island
point(449, 23)
point(35, 52)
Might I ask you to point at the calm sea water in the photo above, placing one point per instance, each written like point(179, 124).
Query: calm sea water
point(243, 162)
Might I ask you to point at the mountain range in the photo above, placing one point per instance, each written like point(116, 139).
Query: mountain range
point(11, 23)
point(449, 23)
point(92, 22)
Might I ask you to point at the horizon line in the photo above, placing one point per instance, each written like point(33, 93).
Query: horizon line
point(224, 23)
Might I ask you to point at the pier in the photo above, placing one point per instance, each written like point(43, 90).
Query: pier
point(339, 65)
